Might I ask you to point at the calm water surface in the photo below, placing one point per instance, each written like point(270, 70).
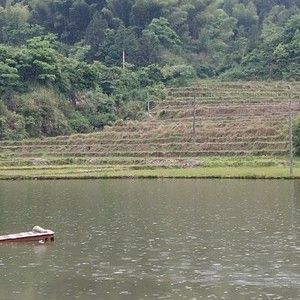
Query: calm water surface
point(152, 239)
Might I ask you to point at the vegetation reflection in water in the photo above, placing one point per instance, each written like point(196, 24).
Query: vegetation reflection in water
point(160, 239)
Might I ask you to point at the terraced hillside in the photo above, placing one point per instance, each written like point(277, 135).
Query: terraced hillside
point(231, 119)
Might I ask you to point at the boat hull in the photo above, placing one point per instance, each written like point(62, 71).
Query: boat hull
point(30, 236)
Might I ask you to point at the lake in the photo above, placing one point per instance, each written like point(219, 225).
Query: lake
point(152, 239)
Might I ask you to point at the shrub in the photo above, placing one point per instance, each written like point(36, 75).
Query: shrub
point(42, 114)
point(235, 73)
point(99, 120)
point(205, 71)
point(80, 123)
point(178, 75)
point(132, 110)
point(3, 127)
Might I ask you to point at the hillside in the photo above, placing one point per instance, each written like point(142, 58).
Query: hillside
point(77, 66)
point(242, 39)
point(231, 119)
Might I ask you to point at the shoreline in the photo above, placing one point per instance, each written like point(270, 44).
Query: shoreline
point(84, 173)
point(141, 177)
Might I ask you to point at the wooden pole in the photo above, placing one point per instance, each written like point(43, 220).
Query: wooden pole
point(194, 119)
point(123, 59)
point(148, 103)
point(291, 155)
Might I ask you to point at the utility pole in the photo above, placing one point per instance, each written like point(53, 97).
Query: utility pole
point(194, 119)
point(123, 59)
point(148, 103)
point(291, 154)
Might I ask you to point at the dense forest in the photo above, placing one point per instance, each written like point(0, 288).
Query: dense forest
point(71, 66)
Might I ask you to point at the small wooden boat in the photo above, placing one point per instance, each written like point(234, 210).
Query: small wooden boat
point(37, 234)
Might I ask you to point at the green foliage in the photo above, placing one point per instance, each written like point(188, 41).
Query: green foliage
point(95, 33)
point(160, 28)
point(132, 110)
point(99, 109)
point(41, 110)
point(121, 10)
point(216, 34)
point(178, 75)
point(14, 26)
point(204, 71)
point(65, 95)
point(144, 11)
point(60, 61)
point(245, 14)
point(9, 77)
point(80, 123)
point(41, 59)
point(277, 57)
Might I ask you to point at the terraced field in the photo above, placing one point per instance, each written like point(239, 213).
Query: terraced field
point(208, 119)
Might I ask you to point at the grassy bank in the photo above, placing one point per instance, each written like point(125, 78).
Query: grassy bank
point(212, 167)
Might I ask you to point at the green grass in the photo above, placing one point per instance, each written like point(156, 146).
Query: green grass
point(240, 172)
point(209, 172)
point(212, 167)
point(207, 161)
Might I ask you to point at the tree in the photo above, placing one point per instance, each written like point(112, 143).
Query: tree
point(14, 26)
point(216, 34)
point(79, 18)
point(9, 74)
point(245, 14)
point(121, 9)
point(265, 6)
point(149, 48)
point(9, 77)
point(160, 28)
point(41, 60)
point(95, 33)
point(115, 41)
point(144, 11)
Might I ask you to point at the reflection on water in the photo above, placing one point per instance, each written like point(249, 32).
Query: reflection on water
point(148, 239)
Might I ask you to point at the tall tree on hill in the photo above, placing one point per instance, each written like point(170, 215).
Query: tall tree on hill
point(177, 15)
point(96, 5)
point(144, 11)
point(95, 33)
point(116, 40)
point(67, 18)
point(14, 26)
point(79, 18)
point(164, 33)
point(148, 49)
point(265, 6)
point(121, 9)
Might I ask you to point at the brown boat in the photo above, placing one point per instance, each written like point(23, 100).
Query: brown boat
point(37, 234)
